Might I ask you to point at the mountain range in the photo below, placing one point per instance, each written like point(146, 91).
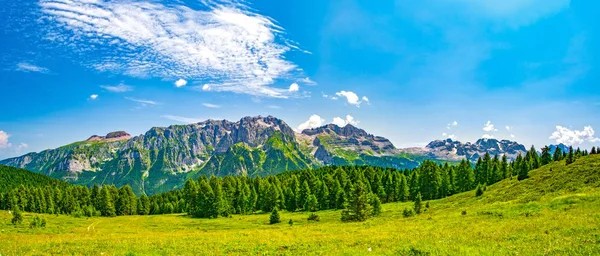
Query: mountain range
point(164, 157)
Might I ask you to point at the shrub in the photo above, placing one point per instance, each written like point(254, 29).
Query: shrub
point(408, 213)
point(291, 222)
point(464, 213)
point(274, 219)
point(479, 191)
point(427, 205)
point(314, 217)
point(418, 203)
point(37, 222)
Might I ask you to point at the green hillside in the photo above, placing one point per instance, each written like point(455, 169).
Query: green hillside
point(11, 178)
point(553, 212)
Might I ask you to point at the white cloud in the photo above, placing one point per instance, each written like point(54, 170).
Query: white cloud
point(93, 96)
point(28, 67)
point(341, 122)
point(181, 119)
point(512, 135)
point(22, 146)
point(508, 128)
point(274, 107)
point(294, 87)
point(449, 126)
point(180, 83)
point(489, 127)
point(117, 88)
point(208, 105)
point(313, 121)
point(487, 136)
point(452, 137)
point(206, 87)
point(143, 102)
point(4, 143)
point(308, 81)
point(351, 97)
point(224, 43)
point(571, 137)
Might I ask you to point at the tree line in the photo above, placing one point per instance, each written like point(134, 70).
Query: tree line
point(358, 191)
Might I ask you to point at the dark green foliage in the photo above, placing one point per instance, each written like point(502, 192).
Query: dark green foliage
point(314, 217)
point(274, 218)
point(13, 178)
point(408, 212)
point(37, 222)
point(291, 222)
point(479, 191)
point(418, 203)
point(376, 203)
point(311, 204)
point(17, 216)
point(570, 156)
point(358, 207)
point(558, 154)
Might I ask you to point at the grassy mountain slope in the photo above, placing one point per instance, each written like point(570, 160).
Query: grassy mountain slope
point(11, 178)
point(554, 212)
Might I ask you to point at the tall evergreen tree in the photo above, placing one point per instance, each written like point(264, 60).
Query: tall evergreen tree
point(465, 177)
point(358, 207)
point(557, 154)
point(546, 156)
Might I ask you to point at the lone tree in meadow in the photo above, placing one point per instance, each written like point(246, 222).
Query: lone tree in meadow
point(275, 218)
point(418, 203)
point(17, 216)
point(358, 207)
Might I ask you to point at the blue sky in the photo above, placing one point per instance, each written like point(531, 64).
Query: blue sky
point(523, 70)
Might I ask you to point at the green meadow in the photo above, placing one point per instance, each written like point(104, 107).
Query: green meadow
point(554, 212)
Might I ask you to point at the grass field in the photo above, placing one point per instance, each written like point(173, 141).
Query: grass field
point(555, 212)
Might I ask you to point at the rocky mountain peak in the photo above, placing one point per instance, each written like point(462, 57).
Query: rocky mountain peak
point(346, 131)
point(111, 136)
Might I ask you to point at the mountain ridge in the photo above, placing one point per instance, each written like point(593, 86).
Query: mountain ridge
point(162, 158)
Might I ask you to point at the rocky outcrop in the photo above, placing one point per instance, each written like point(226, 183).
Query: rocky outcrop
point(112, 136)
point(456, 150)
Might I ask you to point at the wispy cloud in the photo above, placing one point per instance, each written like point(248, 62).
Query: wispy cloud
point(209, 105)
point(144, 102)
point(117, 88)
point(181, 119)
point(228, 46)
point(93, 96)
point(489, 127)
point(28, 67)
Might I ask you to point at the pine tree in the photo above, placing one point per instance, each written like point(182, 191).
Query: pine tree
point(311, 205)
point(570, 156)
point(557, 154)
point(546, 156)
point(190, 189)
point(107, 206)
point(144, 205)
point(479, 190)
point(465, 177)
point(376, 203)
point(17, 215)
point(204, 201)
point(430, 180)
point(403, 190)
point(418, 203)
point(358, 207)
point(274, 218)
point(593, 152)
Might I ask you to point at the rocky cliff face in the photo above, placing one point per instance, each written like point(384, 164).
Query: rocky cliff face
point(164, 157)
point(456, 150)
